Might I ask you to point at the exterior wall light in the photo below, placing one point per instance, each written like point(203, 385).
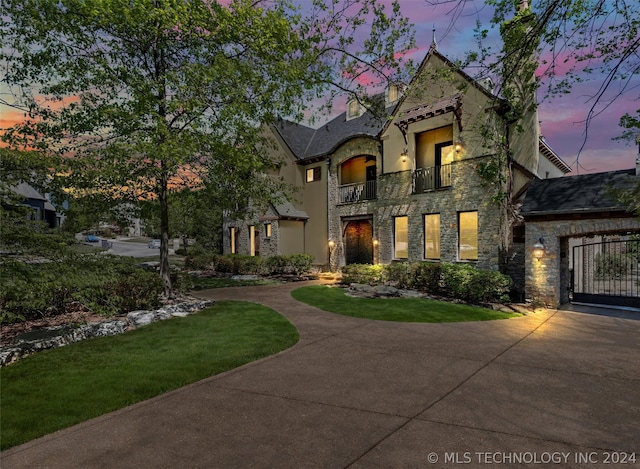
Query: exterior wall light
point(332, 244)
point(404, 155)
point(375, 242)
point(459, 144)
point(538, 249)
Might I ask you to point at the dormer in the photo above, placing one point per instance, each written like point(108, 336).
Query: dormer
point(392, 94)
point(354, 109)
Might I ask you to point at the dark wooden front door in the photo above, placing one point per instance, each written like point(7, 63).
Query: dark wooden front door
point(359, 242)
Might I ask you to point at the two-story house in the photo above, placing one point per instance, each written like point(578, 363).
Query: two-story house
point(405, 185)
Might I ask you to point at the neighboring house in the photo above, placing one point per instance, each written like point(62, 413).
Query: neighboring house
point(404, 186)
point(43, 210)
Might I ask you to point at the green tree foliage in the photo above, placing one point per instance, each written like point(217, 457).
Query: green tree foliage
point(142, 97)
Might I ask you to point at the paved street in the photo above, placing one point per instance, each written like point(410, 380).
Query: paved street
point(554, 389)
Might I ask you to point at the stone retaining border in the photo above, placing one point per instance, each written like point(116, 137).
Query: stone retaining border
point(44, 339)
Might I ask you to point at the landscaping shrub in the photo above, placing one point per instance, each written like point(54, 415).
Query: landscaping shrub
point(250, 265)
point(426, 277)
point(461, 281)
point(276, 265)
point(103, 284)
point(465, 282)
point(223, 264)
point(299, 264)
point(198, 258)
point(397, 273)
point(363, 273)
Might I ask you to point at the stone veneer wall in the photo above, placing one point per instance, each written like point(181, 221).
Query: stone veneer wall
point(268, 246)
point(547, 280)
point(338, 212)
point(394, 198)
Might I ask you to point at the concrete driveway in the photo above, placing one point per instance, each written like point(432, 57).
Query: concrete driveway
point(554, 389)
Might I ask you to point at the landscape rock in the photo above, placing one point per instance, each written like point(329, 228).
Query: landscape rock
point(361, 287)
point(385, 290)
point(246, 277)
point(43, 339)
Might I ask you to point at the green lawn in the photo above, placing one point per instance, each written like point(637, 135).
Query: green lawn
point(61, 387)
point(393, 309)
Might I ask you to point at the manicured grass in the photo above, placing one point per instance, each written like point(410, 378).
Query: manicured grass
point(204, 283)
point(61, 387)
point(393, 309)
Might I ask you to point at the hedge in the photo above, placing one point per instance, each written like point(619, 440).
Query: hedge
point(296, 264)
point(461, 281)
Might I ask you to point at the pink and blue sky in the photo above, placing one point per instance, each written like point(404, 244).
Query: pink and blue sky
point(561, 119)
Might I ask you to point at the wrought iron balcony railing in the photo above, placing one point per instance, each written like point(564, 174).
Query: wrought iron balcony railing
point(357, 192)
point(428, 179)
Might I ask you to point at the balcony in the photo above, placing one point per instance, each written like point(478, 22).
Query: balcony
point(428, 179)
point(357, 192)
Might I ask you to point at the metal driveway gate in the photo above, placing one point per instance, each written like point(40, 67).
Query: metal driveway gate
point(607, 273)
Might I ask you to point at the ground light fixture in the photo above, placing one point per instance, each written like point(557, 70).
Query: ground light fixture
point(538, 249)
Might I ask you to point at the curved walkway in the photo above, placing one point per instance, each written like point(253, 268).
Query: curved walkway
point(555, 387)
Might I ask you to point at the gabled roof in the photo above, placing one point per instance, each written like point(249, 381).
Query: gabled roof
point(307, 143)
point(552, 156)
point(433, 52)
point(286, 211)
point(586, 193)
point(27, 191)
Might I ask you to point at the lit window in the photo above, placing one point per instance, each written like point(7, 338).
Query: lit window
point(313, 174)
point(468, 236)
point(232, 236)
point(432, 236)
point(401, 237)
point(252, 242)
point(267, 230)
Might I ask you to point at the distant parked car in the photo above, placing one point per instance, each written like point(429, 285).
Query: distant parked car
point(91, 238)
point(154, 244)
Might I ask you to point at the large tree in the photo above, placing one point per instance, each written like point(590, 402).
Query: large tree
point(144, 96)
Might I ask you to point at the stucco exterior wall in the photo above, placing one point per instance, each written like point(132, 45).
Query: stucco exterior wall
point(292, 237)
point(314, 197)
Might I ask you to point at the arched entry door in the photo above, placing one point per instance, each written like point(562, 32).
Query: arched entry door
point(358, 236)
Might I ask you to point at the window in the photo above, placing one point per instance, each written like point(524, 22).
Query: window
point(267, 230)
point(354, 109)
point(313, 174)
point(232, 237)
point(434, 155)
point(401, 237)
point(432, 236)
point(468, 236)
point(392, 93)
point(252, 244)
